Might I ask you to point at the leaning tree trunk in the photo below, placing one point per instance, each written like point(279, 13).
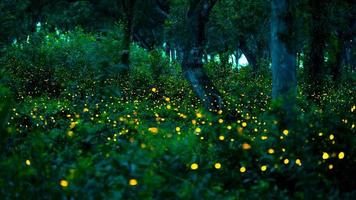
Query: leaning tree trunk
point(249, 54)
point(284, 80)
point(193, 53)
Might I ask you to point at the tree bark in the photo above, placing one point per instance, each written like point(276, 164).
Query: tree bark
point(250, 55)
point(335, 57)
point(193, 53)
point(315, 60)
point(125, 56)
point(284, 80)
point(349, 58)
point(128, 7)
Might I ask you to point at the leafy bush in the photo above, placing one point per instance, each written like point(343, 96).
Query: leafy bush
point(153, 140)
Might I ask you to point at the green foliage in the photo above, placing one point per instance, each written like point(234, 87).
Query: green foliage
point(47, 61)
point(5, 103)
point(103, 135)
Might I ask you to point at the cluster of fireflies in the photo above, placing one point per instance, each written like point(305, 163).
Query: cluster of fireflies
point(165, 118)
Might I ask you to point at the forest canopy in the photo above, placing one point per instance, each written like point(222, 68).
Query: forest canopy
point(177, 99)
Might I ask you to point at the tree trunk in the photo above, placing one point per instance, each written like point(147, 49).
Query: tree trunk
point(125, 56)
point(128, 7)
point(284, 80)
point(167, 49)
point(315, 60)
point(348, 55)
point(192, 64)
point(249, 54)
point(335, 57)
point(179, 54)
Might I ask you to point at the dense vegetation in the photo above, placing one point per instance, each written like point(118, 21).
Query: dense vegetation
point(146, 99)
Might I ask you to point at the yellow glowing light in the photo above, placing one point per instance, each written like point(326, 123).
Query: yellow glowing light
point(331, 166)
point(298, 162)
point(194, 166)
point(85, 110)
point(198, 130)
point(168, 107)
point(221, 121)
point(264, 137)
point(244, 124)
point(325, 155)
point(220, 112)
point(70, 133)
point(28, 162)
point(64, 183)
point(229, 127)
point(72, 125)
point(242, 169)
point(263, 168)
point(133, 182)
point(153, 130)
point(246, 146)
point(271, 151)
point(177, 129)
point(331, 137)
point(217, 165)
point(221, 137)
point(167, 99)
point(341, 155)
point(199, 115)
point(154, 90)
point(286, 161)
point(285, 132)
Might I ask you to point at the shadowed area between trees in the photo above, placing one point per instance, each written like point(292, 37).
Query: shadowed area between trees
point(148, 99)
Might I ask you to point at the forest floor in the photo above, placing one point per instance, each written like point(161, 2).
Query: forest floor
point(161, 144)
point(77, 129)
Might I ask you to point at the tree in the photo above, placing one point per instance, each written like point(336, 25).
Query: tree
point(342, 28)
point(284, 80)
point(234, 26)
point(12, 21)
point(128, 17)
point(318, 36)
point(197, 18)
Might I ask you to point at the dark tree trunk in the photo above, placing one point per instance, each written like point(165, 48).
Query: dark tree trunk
point(193, 53)
point(125, 56)
point(238, 54)
point(315, 60)
point(349, 57)
point(249, 54)
point(168, 50)
point(179, 54)
point(128, 7)
point(284, 80)
point(335, 58)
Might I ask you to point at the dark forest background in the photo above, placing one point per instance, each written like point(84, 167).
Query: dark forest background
point(177, 99)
